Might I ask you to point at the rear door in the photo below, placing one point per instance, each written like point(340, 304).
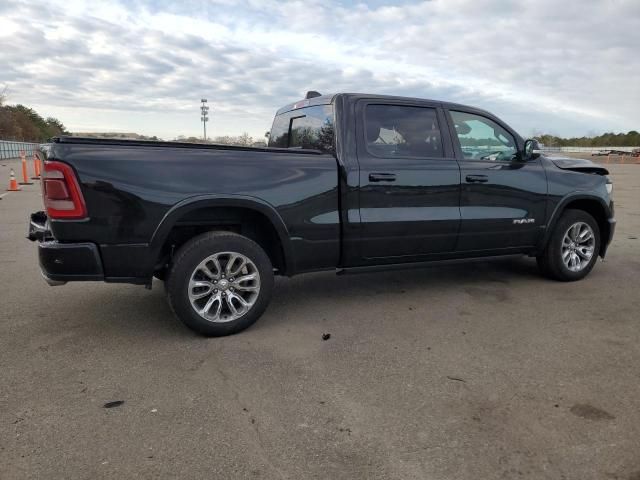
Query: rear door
point(409, 181)
point(503, 198)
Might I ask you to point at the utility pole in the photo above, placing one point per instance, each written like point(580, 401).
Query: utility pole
point(204, 116)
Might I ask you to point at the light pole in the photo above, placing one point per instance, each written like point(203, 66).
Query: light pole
point(204, 116)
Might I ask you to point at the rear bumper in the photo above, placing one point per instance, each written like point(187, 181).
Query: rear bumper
point(68, 262)
point(64, 262)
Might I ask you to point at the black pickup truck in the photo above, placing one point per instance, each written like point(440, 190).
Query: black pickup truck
point(349, 182)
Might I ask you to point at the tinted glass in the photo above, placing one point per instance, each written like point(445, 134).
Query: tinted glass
point(483, 139)
point(279, 135)
point(310, 127)
point(399, 131)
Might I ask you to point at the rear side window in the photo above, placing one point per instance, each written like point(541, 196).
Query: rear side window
point(402, 131)
point(310, 127)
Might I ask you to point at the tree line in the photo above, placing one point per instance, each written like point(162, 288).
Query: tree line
point(629, 139)
point(24, 124)
point(244, 140)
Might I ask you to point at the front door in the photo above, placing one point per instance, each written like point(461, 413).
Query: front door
point(409, 182)
point(503, 198)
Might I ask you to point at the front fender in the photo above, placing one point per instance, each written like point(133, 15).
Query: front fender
point(224, 200)
point(562, 205)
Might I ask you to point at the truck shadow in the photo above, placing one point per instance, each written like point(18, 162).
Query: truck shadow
point(487, 281)
point(298, 299)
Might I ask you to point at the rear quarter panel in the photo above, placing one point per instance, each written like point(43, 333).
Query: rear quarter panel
point(130, 189)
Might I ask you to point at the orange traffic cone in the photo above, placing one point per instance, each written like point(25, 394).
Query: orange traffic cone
point(36, 167)
point(25, 175)
point(13, 183)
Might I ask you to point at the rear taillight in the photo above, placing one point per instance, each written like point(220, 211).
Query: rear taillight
point(62, 195)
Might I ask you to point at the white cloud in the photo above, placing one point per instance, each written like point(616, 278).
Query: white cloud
point(566, 68)
point(8, 27)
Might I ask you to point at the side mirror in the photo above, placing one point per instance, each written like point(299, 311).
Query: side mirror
point(531, 149)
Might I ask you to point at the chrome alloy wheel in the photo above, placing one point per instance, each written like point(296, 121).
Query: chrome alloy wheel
point(578, 246)
point(224, 287)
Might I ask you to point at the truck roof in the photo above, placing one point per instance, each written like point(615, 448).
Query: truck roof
point(308, 102)
point(328, 99)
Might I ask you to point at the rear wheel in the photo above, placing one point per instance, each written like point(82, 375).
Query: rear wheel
point(572, 250)
point(220, 283)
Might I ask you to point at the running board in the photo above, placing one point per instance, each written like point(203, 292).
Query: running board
point(430, 263)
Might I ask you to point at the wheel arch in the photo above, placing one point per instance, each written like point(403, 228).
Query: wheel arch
point(251, 205)
point(593, 205)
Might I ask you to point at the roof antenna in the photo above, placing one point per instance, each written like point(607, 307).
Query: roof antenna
point(312, 94)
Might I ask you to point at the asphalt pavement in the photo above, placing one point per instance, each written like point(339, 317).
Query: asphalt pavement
point(477, 371)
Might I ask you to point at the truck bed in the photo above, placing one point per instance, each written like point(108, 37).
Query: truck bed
point(137, 190)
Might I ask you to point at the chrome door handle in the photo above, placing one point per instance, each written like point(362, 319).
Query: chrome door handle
point(382, 177)
point(477, 178)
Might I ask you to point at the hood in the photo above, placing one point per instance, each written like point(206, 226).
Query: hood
point(578, 165)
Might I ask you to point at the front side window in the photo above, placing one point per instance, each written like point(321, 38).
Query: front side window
point(309, 127)
point(402, 131)
point(483, 139)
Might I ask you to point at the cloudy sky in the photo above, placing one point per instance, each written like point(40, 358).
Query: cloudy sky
point(569, 67)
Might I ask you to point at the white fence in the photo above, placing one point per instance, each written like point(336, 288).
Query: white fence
point(586, 149)
point(9, 149)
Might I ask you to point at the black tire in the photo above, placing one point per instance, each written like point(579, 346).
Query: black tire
point(189, 257)
point(550, 260)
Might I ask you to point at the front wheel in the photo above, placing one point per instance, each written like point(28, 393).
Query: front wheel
point(573, 248)
point(220, 283)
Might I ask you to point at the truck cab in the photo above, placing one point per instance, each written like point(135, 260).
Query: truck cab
point(422, 180)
